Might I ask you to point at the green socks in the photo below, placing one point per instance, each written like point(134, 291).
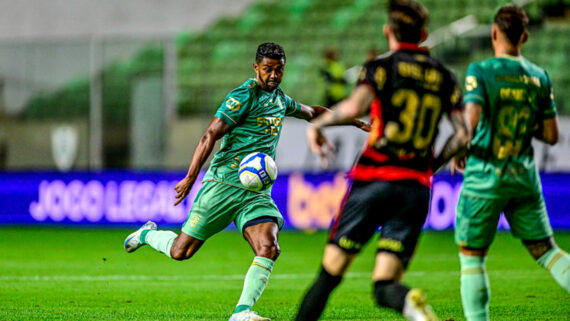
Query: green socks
point(557, 262)
point(475, 291)
point(255, 281)
point(159, 240)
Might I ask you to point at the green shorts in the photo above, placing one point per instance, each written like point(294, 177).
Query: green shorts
point(217, 205)
point(477, 219)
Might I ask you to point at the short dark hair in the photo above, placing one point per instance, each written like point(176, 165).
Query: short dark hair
point(407, 19)
point(270, 50)
point(512, 21)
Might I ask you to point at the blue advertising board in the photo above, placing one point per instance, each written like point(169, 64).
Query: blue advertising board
point(307, 201)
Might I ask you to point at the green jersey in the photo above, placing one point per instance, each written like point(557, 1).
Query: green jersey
point(256, 118)
point(516, 96)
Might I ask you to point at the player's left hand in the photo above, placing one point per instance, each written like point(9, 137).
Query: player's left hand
point(320, 145)
point(362, 125)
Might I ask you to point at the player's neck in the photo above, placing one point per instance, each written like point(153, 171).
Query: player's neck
point(507, 50)
point(393, 44)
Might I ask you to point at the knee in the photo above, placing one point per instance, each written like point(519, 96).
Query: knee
point(537, 248)
point(178, 254)
point(181, 253)
point(270, 251)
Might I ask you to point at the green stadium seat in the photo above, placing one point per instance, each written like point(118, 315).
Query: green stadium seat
point(212, 62)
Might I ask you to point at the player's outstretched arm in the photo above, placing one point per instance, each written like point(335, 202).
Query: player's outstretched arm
point(216, 130)
point(311, 112)
point(347, 110)
point(456, 144)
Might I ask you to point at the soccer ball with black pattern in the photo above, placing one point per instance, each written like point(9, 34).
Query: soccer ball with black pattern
point(257, 171)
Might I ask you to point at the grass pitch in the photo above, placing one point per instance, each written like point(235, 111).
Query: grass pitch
point(70, 274)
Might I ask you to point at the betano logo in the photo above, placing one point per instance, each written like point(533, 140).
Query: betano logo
point(313, 206)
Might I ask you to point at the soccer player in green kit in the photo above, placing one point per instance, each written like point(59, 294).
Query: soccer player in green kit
point(249, 120)
point(508, 101)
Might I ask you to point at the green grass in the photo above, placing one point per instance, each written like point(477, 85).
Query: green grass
point(70, 274)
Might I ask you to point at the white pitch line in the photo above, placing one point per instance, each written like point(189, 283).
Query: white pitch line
point(296, 276)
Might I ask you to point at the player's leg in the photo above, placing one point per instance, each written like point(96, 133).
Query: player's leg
point(335, 263)
point(263, 239)
point(179, 247)
point(529, 221)
point(396, 245)
point(357, 221)
point(475, 288)
point(260, 222)
point(475, 229)
point(210, 213)
point(552, 258)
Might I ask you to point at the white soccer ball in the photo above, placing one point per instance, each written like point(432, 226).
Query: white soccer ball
point(257, 171)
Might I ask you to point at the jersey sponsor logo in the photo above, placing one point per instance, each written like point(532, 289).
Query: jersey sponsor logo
point(380, 77)
point(470, 83)
point(348, 244)
point(390, 244)
point(195, 220)
point(236, 162)
point(272, 124)
point(233, 104)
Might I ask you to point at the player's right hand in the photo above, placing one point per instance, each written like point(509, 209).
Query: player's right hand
point(182, 189)
point(457, 165)
point(320, 145)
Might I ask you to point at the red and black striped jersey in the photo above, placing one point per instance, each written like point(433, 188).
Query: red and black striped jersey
point(413, 90)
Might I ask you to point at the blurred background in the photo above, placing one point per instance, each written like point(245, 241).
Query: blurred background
point(102, 102)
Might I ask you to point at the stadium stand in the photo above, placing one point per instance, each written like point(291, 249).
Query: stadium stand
point(219, 58)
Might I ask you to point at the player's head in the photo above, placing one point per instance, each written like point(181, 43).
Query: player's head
point(406, 21)
point(509, 26)
point(269, 65)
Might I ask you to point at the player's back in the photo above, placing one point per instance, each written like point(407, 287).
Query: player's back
point(515, 96)
point(413, 90)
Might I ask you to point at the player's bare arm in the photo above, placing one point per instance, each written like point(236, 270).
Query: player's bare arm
point(354, 106)
point(456, 144)
point(310, 112)
point(548, 131)
point(472, 116)
point(216, 130)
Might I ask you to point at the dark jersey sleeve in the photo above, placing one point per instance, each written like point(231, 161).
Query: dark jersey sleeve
point(455, 98)
point(372, 74)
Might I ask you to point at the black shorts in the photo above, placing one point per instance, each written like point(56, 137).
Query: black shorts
point(400, 208)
